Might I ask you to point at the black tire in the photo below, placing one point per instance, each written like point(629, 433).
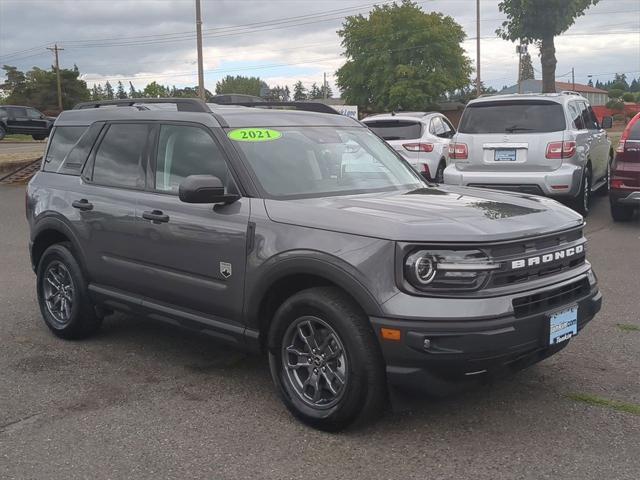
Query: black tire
point(621, 213)
point(363, 393)
point(3, 132)
point(439, 178)
point(38, 137)
point(582, 202)
point(58, 265)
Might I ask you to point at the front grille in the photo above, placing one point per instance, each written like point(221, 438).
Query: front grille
point(535, 247)
point(521, 188)
point(540, 302)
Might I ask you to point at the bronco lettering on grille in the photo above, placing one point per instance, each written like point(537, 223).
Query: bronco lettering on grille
point(547, 258)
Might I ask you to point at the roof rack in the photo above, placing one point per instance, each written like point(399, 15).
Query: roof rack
point(304, 106)
point(570, 92)
point(182, 104)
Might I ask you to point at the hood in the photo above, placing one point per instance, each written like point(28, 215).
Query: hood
point(433, 214)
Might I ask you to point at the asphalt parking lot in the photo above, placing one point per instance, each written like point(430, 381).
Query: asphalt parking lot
point(145, 400)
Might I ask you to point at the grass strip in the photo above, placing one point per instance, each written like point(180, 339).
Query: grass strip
point(626, 327)
point(596, 401)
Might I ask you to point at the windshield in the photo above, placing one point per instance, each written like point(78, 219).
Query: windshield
point(299, 162)
point(533, 116)
point(396, 129)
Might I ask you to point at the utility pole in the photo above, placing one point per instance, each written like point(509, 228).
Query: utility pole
point(199, 44)
point(55, 50)
point(324, 86)
point(478, 82)
point(573, 79)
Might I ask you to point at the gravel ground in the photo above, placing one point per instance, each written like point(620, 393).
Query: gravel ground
point(144, 400)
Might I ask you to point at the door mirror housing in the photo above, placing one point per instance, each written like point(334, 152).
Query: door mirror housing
point(204, 189)
point(607, 122)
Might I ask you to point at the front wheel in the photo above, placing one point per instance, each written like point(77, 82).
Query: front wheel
point(325, 360)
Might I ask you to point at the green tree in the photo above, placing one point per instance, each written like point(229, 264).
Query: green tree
point(526, 68)
point(314, 92)
point(615, 93)
point(120, 93)
point(155, 90)
point(240, 84)
point(540, 21)
point(299, 92)
point(108, 91)
point(629, 97)
point(329, 92)
point(400, 57)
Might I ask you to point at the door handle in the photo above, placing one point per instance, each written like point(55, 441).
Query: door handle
point(82, 204)
point(156, 216)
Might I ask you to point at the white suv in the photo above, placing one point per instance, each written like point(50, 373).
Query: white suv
point(422, 138)
point(543, 144)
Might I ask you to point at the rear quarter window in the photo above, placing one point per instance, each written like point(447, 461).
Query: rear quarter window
point(396, 129)
point(62, 141)
point(634, 133)
point(534, 116)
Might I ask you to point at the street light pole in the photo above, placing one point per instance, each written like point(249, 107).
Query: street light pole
point(478, 82)
point(199, 46)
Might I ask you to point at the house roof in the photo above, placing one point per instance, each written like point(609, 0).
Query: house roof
point(535, 86)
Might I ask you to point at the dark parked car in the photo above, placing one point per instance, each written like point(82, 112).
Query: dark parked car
point(624, 192)
point(24, 120)
point(305, 236)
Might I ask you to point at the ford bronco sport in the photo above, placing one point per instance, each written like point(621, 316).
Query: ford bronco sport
point(542, 144)
point(304, 235)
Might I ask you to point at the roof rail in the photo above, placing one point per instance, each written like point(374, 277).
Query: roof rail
point(570, 92)
point(182, 104)
point(304, 106)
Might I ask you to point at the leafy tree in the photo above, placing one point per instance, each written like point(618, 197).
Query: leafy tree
point(240, 84)
point(526, 68)
point(615, 104)
point(108, 91)
point(620, 82)
point(299, 91)
point(540, 21)
point(629, 97)
point(120, 93)
point(314, 92)
point(155, 90)
point(38, 87)
point(401, 57)
point(97, 93)
point(615, 93)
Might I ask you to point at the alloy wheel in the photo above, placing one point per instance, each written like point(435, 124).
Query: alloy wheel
point(314, 362)
point(58, 292)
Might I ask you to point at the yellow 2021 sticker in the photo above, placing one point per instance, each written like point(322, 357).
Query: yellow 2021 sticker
point(254, 134)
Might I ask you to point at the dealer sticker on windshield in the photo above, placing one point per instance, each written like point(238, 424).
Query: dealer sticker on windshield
point(254, 134)
point(563, 325)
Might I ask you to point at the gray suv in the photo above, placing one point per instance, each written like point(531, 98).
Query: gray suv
point(305, 236)
point(543, 144)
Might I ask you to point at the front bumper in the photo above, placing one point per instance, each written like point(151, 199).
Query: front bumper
point(459, 349)
point(562, 182)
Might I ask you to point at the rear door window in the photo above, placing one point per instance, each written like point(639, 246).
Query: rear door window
point(396, 129)
point(576, 115)
point(634, 133)
point(120, 158)
point(588, 118)
point(518, 116)
point(61, 143)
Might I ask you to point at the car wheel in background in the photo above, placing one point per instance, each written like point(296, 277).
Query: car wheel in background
point(325, 360)
point(3, 132)
point(62, 294)
point(621, 213)
point(38, 137)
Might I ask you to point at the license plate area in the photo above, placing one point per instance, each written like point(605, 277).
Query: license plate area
point(504, 155)
point(563, 325)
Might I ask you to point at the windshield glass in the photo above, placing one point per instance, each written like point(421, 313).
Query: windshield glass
point(298, 162)
point(533, 116)
point(396, 129)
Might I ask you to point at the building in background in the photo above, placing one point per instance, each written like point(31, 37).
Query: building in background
point(596, 96)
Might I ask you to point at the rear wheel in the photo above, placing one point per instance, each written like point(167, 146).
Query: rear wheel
point(325, 360)
point(3, 132)
point(582, 202)
point(62, 294)
point(439, 178)
point(621, 213)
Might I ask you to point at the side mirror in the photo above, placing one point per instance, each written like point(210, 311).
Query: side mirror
point(607, 122)
point(204, 189)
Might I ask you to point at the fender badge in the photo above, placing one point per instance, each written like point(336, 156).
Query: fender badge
point(225, 269)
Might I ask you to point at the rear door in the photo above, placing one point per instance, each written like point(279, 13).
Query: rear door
point(36, 121)
point(598, 145)
point(629, 166)
point(511, 135)
point(403, 135)
point(193, 257)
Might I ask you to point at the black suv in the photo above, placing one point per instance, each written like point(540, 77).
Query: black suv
point(24, 120)
point(304, 235)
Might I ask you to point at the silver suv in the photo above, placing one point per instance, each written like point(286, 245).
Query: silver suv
point(543, 144)
point(422, 138)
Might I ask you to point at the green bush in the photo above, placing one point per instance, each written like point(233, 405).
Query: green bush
point(615, 93)
point(628, 97)
point(615, 105)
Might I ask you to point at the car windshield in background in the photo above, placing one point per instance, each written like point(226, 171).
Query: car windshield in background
point(298, 162)
point(396, 129)
point(534, 116)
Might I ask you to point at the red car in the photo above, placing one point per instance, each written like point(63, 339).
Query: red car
point(625, 173)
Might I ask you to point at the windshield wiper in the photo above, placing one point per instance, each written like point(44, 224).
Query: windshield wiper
point(516, 128)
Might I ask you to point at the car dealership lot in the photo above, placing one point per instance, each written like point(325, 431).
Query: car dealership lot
point(145, 400)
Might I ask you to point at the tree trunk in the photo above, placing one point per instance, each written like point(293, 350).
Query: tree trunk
point(548, 61)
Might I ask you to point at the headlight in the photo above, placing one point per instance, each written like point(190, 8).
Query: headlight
point(447, 270)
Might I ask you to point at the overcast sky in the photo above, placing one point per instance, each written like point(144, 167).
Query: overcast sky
point(279, 40)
